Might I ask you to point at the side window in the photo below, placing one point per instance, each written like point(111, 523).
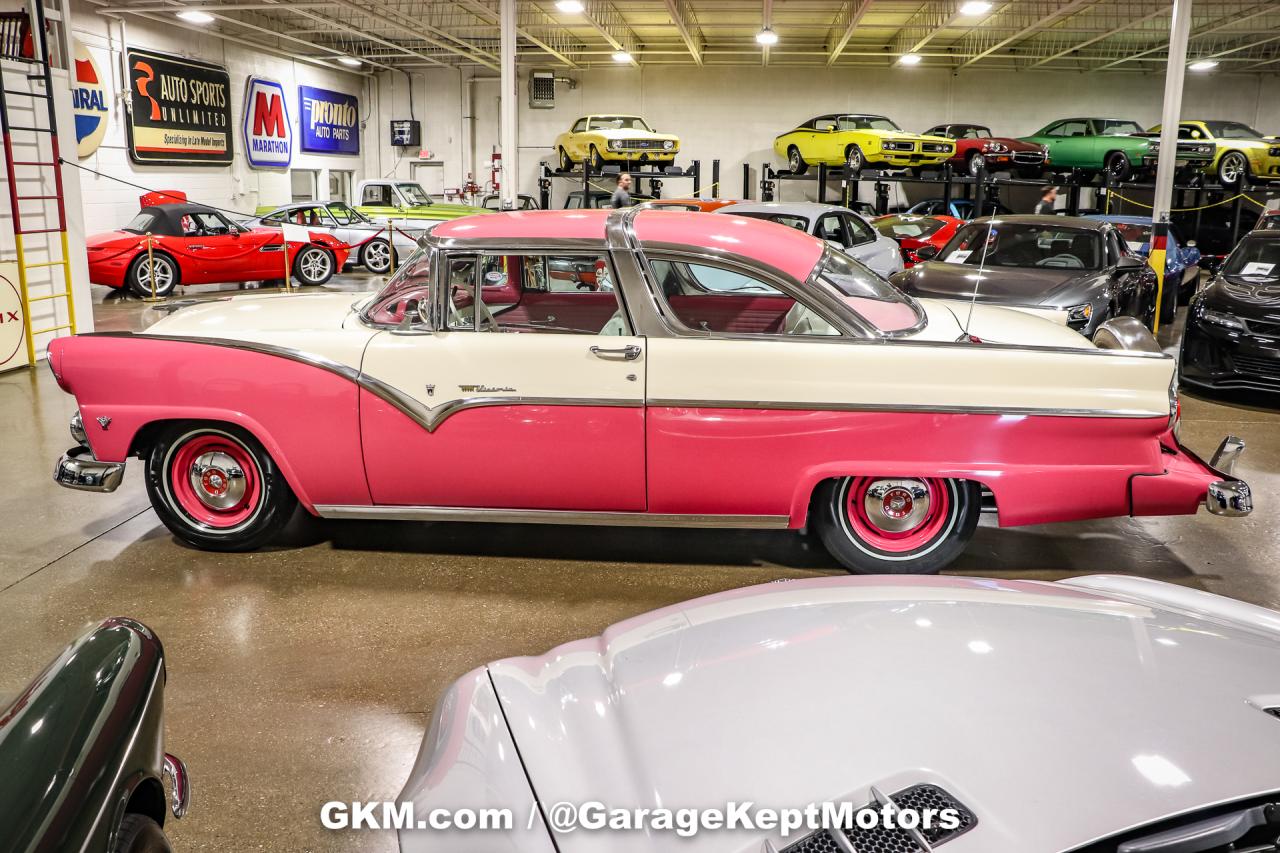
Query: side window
point(707, 298)
point(825, 123)
point(573, 202)
point(859, 231)
point(378, 194)
point(829, 228)
point(546, 294)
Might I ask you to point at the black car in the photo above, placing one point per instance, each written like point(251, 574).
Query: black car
point(597, 199)
point(82, 760)
point(1232, 341)
point(1079, 267)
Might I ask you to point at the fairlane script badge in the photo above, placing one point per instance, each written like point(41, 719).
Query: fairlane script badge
point(482, 389)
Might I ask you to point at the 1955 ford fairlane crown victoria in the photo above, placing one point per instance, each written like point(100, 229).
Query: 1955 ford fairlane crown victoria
point(634, 367)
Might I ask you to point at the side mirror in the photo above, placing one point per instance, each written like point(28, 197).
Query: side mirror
point(927, 253)
point(1128, 264)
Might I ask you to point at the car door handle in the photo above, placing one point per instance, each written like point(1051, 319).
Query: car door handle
point(628, 353)
point(196, 248)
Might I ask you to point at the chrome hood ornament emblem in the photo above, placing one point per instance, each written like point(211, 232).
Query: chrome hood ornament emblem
point(104, 421)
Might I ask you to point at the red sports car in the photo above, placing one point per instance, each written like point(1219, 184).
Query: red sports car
point(193, 244)
point(977, 148)
point(915, 232)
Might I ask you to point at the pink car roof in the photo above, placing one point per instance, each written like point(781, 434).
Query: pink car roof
point(780, 246)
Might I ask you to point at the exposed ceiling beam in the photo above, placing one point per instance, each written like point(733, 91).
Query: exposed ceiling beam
point(1158, 13)
point(681, 13)
point(559, 51)
point(851, 14)
point(1033, 16)
point(135, 8)
point(604, 18)
point(1225, 22)
point(431, 35)
point(766, 21)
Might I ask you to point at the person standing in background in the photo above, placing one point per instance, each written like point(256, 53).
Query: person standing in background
point(1048, 195)
point(622, 195)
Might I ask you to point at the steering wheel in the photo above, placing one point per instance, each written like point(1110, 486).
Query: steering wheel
point(1070, 262)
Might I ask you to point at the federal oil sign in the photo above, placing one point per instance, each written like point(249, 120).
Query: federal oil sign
point(180, 110)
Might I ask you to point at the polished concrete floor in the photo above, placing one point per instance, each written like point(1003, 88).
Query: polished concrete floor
point(307, 672)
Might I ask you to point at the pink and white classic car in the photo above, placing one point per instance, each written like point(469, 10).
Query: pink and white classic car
point(642, 368)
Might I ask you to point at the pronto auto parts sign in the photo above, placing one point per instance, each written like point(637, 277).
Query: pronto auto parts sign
point(88, 102)
point(179, 110)
point(330, 121)
point(268, 136)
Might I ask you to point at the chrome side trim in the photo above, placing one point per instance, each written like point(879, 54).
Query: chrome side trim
point(77, 469)
point(431, 417)
point(551, 516)
point(179, 782)
point(902, 407)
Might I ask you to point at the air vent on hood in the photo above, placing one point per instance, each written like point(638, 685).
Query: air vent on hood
point(880, 840)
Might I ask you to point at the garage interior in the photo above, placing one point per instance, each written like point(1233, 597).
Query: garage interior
point(307, 671)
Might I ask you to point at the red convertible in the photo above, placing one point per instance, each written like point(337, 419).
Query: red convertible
point(915, 232)
point(976, 148)
point(643, 367)
point(194, 244)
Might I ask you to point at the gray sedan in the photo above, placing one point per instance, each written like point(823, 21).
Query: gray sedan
point(839, 226)
point(367, 237)
point(1064, 266)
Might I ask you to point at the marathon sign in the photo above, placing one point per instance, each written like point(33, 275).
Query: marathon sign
point(268, 135)
point(179, 110)
point(330, 122)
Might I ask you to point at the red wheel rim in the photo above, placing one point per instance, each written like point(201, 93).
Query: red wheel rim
point(895, 504)
point(215, 480)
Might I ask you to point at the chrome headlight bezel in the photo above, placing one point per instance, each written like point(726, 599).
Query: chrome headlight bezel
point(668, 144)
point(1221, 319)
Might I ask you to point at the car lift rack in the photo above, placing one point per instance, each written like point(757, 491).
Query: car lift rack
point(653, 177)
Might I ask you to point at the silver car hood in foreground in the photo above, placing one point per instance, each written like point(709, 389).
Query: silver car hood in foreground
point(1059, 713)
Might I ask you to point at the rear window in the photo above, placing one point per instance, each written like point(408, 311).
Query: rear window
point(800, 223)
point(142, 223)
point(900, 227)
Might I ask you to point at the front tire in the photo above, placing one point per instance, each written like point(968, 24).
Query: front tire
point(166, 275)
point(376, 256)
point(853, 161)
point(215, 487)
point(597, 162)
point(140, 834)
point(313, 266)
point(897, 525)
point(1118, 166)
point(1232, 168)
point(795, 162)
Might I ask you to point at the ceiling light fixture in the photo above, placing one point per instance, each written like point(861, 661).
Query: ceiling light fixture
point(621, 56)
point(1204, 65)
point(349, 60)
point(195, 16)
point(910, 59)
point(975, 7)
point(767, 37)
point(570, 7)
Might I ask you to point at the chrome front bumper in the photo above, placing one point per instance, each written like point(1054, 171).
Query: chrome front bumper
point(77, 469)
point(1231, 496)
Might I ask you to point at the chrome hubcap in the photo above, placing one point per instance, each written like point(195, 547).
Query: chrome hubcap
point(315, 265)
point(377, 256)
point(217, 480)
point(976, 164)
point(897, 505)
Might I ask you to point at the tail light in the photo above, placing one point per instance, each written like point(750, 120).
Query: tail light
point(53, 354)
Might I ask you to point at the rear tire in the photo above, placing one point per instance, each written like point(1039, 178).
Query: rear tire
point(140, 834)
point(376, 256)
point(566, 162)
point(795, 162)
point(896, 525)
point(215, 487)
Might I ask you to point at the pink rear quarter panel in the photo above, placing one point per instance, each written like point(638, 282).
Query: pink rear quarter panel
point(305, 416)
point(767, 462)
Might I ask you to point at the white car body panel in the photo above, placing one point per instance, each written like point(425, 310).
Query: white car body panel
point(1057, 713)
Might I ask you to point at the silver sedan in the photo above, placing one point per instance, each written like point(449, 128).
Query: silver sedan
point(841, 227)
point(367, 237)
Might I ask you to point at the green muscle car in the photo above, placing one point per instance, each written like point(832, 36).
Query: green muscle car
point(399, 200)
point(1095, 144)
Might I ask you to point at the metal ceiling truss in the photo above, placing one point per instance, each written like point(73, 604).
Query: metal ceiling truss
point(1046, 35)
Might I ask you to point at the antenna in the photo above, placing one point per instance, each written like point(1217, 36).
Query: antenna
point(982, 263)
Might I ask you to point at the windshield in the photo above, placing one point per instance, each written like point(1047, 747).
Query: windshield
point(865, 123)
point(1255, 258)
point(899, 227)
point(1115, 127)
point(415, 194)
point(791, 220)
point(1232, 130)
point(1024, 245)
point(618, 123)
point(971, 131)
point(872, 297)
point(401, 298)
point(345, 215)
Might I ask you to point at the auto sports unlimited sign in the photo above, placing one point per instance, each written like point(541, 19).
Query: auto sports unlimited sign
point(88, 102)
point(179, 110)
point(330, 121)
point(268, 136)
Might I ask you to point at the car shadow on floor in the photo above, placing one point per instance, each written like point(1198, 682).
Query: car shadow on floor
point(1047, 552)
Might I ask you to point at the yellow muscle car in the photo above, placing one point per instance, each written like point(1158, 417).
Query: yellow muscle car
point(617, 138)
point(854, 141)
point(1242, 151)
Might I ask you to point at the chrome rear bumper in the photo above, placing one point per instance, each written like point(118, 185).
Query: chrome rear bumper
point(1231, 496)
point(77, 469)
